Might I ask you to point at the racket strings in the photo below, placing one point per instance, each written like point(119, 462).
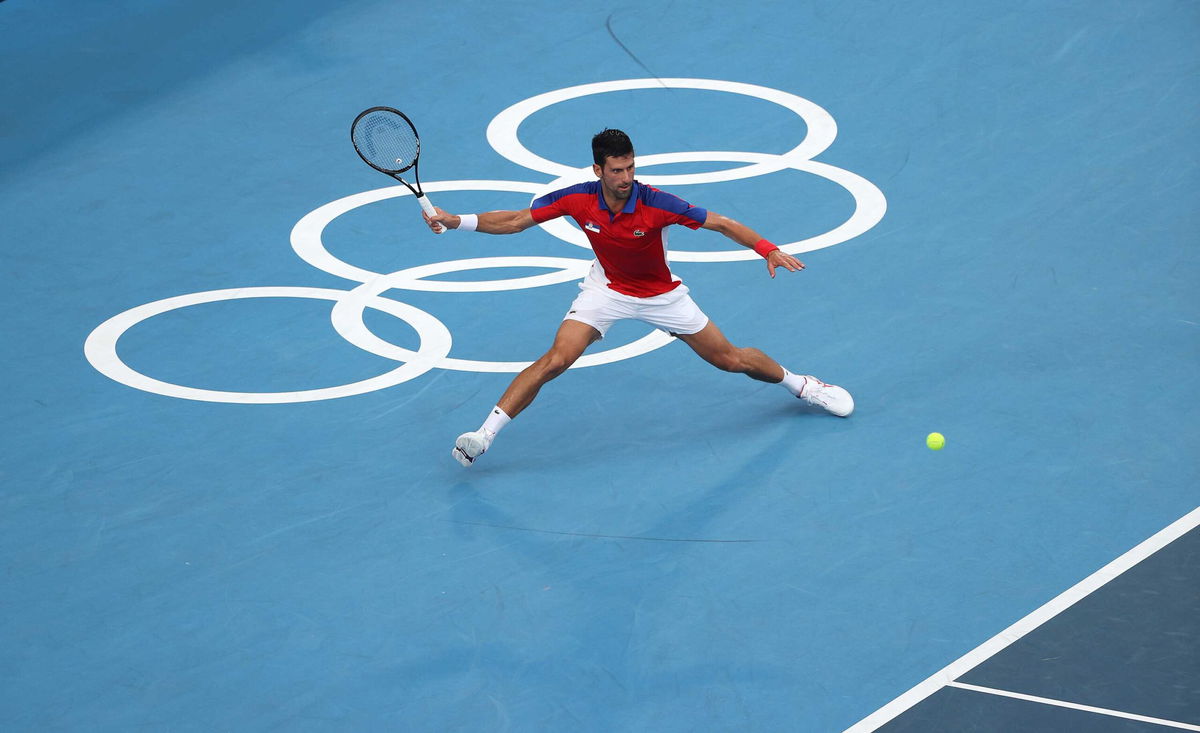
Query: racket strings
point(387, 141)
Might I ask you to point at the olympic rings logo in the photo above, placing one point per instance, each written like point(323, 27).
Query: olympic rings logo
point(433, 351)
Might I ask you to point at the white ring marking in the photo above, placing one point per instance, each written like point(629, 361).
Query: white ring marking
point(101, 347)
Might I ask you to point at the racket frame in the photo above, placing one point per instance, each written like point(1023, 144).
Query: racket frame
point(422, 199)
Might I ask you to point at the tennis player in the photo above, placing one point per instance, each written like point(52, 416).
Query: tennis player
point(626, 222)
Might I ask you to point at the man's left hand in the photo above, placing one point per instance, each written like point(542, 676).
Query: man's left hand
point(779, 258)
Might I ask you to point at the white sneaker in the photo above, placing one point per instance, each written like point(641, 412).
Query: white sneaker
point(830, 397)
point(470, 446)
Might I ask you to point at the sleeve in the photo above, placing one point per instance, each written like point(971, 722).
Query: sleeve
point(552, 205)
point(675, 210)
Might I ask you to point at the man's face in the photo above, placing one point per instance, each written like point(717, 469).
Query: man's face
point(616, 176)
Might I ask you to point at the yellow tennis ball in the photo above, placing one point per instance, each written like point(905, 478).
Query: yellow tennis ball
point(935, 441)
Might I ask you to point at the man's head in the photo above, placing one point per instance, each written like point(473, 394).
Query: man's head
point(612, 156)
point(610, 144)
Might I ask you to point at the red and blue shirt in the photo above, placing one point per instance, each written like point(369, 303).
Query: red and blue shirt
point(630, 244)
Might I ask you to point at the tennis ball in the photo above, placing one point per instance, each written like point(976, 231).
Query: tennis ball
point(935, 441)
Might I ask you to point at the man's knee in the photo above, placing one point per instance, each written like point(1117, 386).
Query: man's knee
point(554, 363)
point(730, 360)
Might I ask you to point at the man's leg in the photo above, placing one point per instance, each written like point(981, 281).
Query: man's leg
point(713, 347)
point(572, 339)
point(570, 342)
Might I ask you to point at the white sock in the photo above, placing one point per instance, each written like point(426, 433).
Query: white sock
point(495, 421)
point(792, 382)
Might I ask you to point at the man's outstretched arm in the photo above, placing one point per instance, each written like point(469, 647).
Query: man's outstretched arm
point(747, 237)
point(491, 222)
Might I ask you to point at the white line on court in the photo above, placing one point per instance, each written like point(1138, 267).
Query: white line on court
point(997, 643)
point(1072, 705)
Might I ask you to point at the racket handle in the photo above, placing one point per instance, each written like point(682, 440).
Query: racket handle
point(427, 207)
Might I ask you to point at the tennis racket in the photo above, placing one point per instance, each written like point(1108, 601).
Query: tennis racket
point(387, 141)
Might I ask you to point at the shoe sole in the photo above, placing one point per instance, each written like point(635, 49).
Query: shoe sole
point(460, 456)
point(827, 409)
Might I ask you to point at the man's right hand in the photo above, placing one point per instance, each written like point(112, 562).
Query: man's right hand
point(447, 221)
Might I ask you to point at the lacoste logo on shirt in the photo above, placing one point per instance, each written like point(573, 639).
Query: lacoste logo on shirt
point(638, 233)
point(592, 227)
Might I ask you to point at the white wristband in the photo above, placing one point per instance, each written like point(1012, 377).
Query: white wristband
point(468, 222)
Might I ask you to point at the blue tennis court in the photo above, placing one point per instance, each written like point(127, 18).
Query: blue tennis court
point(238, 360)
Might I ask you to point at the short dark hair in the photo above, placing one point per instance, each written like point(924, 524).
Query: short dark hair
point(610, 143)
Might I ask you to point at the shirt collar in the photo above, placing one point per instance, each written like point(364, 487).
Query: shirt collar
point(630, 203)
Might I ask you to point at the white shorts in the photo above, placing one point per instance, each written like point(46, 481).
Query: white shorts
point(674, 312)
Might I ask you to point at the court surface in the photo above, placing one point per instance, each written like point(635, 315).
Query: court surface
point(236, 363)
